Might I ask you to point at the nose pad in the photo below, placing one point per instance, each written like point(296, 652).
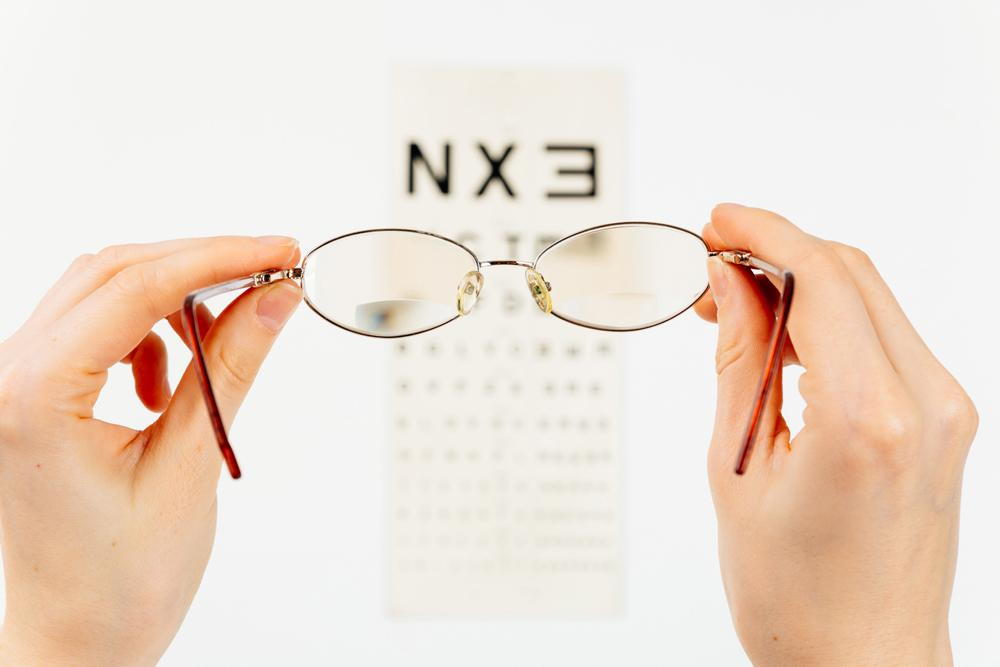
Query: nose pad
point(539, 289)
point(468, 291)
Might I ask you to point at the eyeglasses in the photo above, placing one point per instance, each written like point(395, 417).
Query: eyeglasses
point(390, 283)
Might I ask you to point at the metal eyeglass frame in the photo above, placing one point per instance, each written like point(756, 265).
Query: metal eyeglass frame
point(772, 363)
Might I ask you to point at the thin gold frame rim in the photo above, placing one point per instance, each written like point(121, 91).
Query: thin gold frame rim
point(315, 308)
point(626, 223)
point(480, 264)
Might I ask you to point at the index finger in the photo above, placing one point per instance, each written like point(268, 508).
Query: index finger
point(109, 322)
point(828, 324)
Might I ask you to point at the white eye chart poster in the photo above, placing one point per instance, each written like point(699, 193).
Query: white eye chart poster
point(505, 470)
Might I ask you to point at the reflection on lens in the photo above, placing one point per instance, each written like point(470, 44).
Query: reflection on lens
point(400, 315)
point(387, 282)
point(625, 276)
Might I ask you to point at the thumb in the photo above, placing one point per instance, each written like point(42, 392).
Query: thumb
point(745, 322)
point(235, 348)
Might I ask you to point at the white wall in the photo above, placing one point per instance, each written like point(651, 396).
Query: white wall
point(873, 123)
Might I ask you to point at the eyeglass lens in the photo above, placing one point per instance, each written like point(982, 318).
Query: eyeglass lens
point(625, 277)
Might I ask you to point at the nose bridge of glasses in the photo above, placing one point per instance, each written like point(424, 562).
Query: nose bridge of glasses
point(537, 285)
point(508, 262)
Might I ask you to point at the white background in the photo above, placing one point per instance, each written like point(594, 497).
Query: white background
point(875, 123)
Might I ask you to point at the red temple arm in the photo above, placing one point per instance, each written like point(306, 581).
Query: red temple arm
point(773, 361)
point(194, 334)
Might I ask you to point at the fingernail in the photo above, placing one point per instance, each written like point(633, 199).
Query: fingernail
point(718, 278)
point(277, 305)
point(278, 240)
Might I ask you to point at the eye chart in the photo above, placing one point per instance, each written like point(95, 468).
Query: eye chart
point(505, 471)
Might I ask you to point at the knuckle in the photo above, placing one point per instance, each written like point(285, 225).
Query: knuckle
point(131, 281)
point(851, 255)
point(885, 434)
point(887, 426)
point(894, 429)
point(820, 259)
point(825, 258)
point(955, 417)
point(82, 261)
point(138, 283)
point(112, 256)
point(237, 366)
point(731, 352)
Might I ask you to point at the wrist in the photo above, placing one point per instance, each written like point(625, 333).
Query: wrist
point(16, 650)
point(28, 651)
point(833, 649)
point(26, 648)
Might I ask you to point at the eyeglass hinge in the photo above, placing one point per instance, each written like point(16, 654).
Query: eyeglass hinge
point(274, 275)
point(740, 257)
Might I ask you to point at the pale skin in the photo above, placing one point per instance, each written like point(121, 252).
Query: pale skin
point(107, 530)
point(837, 547)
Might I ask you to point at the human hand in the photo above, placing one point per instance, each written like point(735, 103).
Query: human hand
point(107, 530)
point(838, 545)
